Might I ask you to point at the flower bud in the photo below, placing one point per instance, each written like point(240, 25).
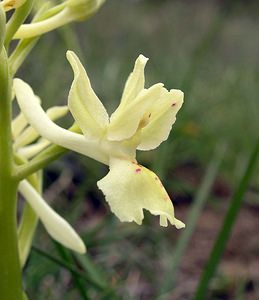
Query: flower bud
point(68, 11)
point(82, 9)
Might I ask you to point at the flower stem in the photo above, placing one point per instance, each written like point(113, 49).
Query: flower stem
point(38, 28)
point(16, 20)
point(39, 162)
point(10, 279)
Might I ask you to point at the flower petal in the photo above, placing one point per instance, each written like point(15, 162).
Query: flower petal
point(86, 108)
point(162, 117)
point(129, 188)
point(136, 81)
point(125, 121)
point(49, 130)
point(56, 226)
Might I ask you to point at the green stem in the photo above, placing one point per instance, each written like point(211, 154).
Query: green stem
point(26, 232)
point(38, 28)
point(5, 115)
point(66, 256)
point(10, 279)
point(2, 27)
point(69, 267)
point(25, 46)
point(39, 162)
point(17, 20)
point(227, 226)
point(20, 53)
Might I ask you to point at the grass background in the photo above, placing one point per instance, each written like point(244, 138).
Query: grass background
point(209, 49)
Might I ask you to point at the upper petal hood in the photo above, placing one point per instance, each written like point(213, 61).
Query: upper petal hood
point(125, 121)
point(129, 188)
point(134, 105)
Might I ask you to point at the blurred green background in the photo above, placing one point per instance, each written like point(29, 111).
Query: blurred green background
point(209, 49)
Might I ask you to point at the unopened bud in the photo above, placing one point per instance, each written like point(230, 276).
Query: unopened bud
point(72, 10)
point(82, 9)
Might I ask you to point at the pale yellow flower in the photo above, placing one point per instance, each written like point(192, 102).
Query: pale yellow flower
point(142, 121)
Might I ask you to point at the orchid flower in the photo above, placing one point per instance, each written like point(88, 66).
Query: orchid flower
point(23, 136)
point(142, 121)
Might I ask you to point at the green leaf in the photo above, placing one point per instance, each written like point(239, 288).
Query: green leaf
point(227, 226)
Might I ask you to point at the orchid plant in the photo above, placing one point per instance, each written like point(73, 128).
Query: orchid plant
point(142, 121)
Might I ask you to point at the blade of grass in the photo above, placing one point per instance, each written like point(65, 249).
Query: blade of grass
point(105, 289)
point(67, 266)
point(192, 219)
point(240, 290)
point(70, 39)
point(97, 275)
point(86, 263)
point(227, 226)
point(66, 256)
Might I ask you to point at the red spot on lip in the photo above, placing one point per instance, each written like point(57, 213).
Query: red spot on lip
point(173, 104)
point(138, 170)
